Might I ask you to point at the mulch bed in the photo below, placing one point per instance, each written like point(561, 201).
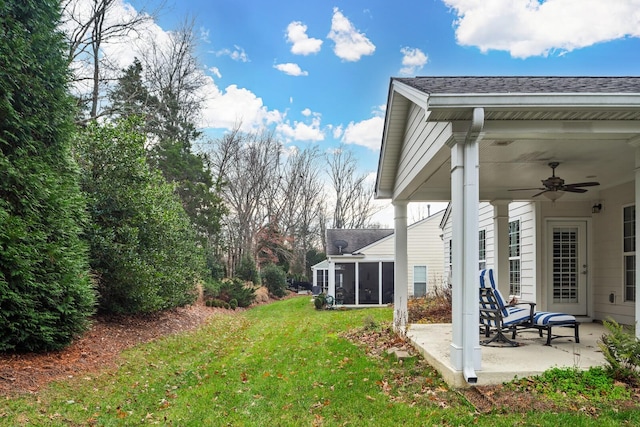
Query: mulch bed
point(98, 348)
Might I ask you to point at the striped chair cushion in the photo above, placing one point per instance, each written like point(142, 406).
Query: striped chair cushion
point(483, 284)
point(543, 318)
point(516, 315)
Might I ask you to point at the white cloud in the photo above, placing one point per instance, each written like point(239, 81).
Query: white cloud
point(350, 44)
point(222, 109)
point(367, 133)
point(216, 72)
point(302, 131)
point(237, 54)
point(413, 60)
point(301, 43)
point(337, 132)
point(527, 28)
point(306, 112)
point(291, 69)
point(236, 107)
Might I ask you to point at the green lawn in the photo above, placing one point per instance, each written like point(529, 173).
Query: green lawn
point(283, 364)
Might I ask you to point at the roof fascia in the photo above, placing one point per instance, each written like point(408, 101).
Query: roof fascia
point(414, 95)
point(519, 100)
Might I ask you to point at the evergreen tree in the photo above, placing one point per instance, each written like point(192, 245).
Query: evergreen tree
point(45, 293)
point(172, 132)
point(143, 248)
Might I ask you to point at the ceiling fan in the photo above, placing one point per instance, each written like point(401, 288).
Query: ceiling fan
point(555, 183)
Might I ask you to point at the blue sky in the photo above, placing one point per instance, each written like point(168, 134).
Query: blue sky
point(318, 72)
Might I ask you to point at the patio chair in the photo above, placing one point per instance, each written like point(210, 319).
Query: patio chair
point(495, 313)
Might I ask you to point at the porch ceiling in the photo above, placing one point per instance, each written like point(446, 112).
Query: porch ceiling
point(507, 163)
point(591, 135)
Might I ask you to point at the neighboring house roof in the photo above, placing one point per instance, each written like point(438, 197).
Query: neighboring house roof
point(355, 239)
point(322, 265)
point(445, 217)
point(360, 239)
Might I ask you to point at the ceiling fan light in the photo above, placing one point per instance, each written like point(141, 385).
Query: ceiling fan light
point(553, 195)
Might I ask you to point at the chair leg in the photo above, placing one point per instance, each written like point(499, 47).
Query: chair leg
point(575, 328)
point(500, 337)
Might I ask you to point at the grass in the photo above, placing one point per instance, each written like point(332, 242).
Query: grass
point(283, 364)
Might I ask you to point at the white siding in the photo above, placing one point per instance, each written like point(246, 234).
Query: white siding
point(421, 142)
point(424, 246)
point(524, 211)
point(607, 271)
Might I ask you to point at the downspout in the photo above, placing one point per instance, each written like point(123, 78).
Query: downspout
point(471, 199)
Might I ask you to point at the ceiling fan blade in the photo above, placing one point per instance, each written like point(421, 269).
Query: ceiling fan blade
point(542, 192)
point(526, 189)
point(574, 190)
point(583, 184)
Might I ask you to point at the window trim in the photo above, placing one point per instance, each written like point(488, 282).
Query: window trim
point(482, 249)
point(628, 254)
point(515, 286)
point(426, 272)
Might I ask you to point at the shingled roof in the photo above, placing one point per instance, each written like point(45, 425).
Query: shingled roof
point(523, 84)
point(356, 239)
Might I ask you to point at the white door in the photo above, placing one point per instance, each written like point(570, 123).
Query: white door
point(567, 268)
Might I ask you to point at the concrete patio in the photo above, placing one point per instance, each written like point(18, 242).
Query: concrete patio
point(500, 364)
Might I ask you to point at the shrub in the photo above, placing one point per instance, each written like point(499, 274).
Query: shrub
point(433, 308)
point(275, 279)
point(234, 288)
point(210, 289)
point(46, 297)
point(320, 301)
point(233, 303)
point(143, 247)
point(215, 267)
point(247, 270)
point(621, 350)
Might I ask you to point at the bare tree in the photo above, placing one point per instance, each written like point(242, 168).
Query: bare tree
point(353, 195)
point(302, 198)
point(248, 168)
point(175, 78)
point(88, 25)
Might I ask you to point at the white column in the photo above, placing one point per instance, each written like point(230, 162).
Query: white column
point(457, 244)
point(332, 279)
point(380, 283)
point(357, 282)
point(401, 291)
point(501, 244)
point(637, 200)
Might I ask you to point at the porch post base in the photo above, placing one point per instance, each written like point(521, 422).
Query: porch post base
point(456, 356)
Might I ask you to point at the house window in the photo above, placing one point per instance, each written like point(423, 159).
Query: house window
point(514, 258)
point(629, 252)
point(482, 251)
point(419, 280)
